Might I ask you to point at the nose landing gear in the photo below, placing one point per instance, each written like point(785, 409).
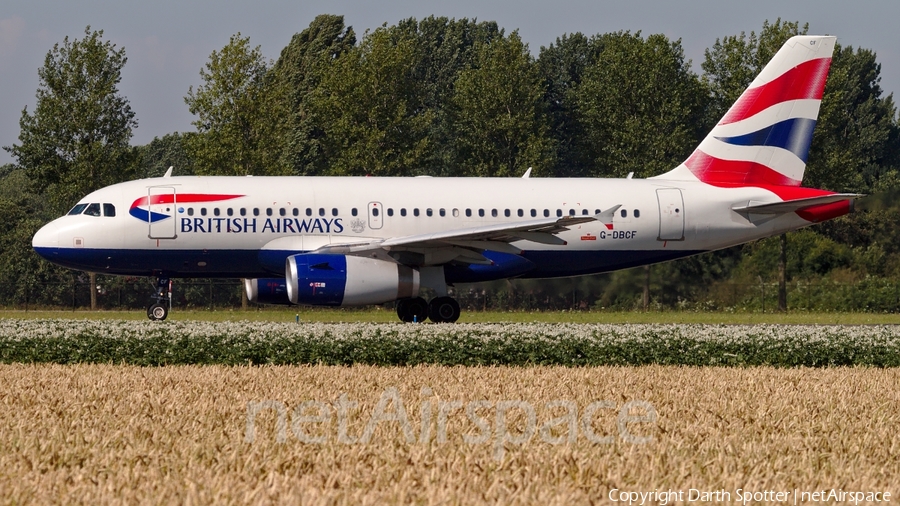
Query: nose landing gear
point(159, 309)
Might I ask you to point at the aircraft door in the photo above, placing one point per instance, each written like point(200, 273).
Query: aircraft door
point(376, 213)
point(671, 214)
point(161, 202)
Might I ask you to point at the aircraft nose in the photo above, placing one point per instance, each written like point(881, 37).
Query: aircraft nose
point(45, 238)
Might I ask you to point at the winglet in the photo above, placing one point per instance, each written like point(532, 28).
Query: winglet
point(606, 217)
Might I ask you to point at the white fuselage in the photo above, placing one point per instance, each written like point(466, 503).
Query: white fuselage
point(186, 236)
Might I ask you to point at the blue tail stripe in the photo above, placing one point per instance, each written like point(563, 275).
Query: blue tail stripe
point(794, 135)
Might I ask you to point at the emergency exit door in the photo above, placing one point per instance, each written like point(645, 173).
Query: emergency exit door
point(671, 214)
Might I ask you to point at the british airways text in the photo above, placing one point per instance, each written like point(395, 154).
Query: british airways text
point(255, 225)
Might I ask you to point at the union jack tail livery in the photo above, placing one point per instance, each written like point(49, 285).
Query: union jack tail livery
point(763, 140)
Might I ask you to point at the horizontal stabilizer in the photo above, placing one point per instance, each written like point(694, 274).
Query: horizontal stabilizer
point(791, 206)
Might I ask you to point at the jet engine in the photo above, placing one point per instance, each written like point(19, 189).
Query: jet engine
point(341, 280)
point(267, 291)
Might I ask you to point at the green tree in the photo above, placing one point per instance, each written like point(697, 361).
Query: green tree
point(162, 153)
point(77, 139)
point(562, 66)
point(855, 142)
point(370, 109)
point(443, 49)
point(24, 276)
point(238, 115)
point(499, 124)
point(639, 106)
point(297, 72)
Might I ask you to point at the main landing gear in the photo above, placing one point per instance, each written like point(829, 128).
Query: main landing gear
point(439, 310)
point(159, 309)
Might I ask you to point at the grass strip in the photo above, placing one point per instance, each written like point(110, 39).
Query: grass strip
point(577, 345)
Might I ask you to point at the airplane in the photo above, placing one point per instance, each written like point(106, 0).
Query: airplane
point(350, 241)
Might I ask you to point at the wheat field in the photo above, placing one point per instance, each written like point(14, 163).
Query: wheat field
point(160, 435)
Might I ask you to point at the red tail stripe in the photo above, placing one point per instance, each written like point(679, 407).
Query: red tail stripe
point(805, 81)
point(183, 198)
point(735, 172)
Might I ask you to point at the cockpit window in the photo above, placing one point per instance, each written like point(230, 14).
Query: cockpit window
point(78, 209)
point(92, 210)
point(109, 210)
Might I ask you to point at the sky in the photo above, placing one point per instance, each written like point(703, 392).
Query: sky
point(167, 42)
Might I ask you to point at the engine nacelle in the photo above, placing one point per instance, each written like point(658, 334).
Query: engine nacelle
point(267, 291)
point(339, 280)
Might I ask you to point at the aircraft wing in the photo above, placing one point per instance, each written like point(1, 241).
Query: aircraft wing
point(496, 237)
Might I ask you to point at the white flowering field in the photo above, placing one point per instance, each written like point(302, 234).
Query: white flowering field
point(159, 343)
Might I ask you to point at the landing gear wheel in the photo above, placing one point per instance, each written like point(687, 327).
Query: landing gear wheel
point(157, 312)
point(412, 310)
point(159, 309)
point(443, 310)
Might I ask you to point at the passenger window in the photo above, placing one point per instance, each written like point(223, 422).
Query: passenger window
point(282, 212)
point(494, 213)
point(442, 212)
point(428, 212)
point(190, 211)
point(229, 211)
point(255, 211)
point(92, 210)
point(334, 211)
point(321, 211)
point(506, 213)
point(353, 212)
point(390, 211)
point(456, 213)
point(202, 211)
point(521, 213)
point(415, 211)
point(637, 213)
point(468, 213)
point(584, 212)
point(546, 213)
point(534, 213)
point(571, 212)
point(559, 213)
point(216, 211)
point(243, 211)
point(596, 211)
point(402, 211)
point(109, 210)
point(308, 211)
point(374, 211)
point(481, 213)
point(296, 212)
point(624, 213)
point(268, 211)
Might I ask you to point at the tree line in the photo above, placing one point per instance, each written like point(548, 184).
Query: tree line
point(458, 97)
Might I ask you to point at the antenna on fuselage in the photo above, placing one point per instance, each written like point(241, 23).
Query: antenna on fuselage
point(527, 173)
point(169, 172)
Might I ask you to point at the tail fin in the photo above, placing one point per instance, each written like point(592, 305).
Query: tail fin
point(764, 138)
